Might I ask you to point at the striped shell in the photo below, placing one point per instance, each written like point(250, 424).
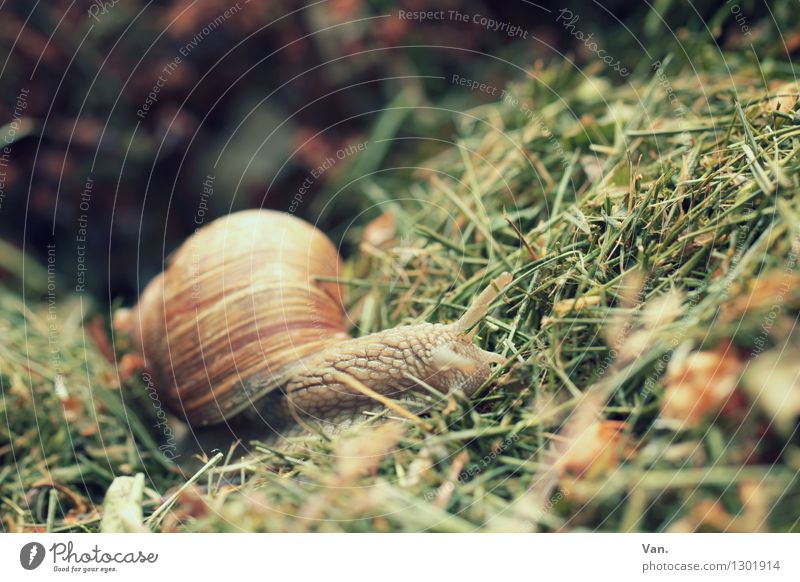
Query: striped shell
point(238, 304)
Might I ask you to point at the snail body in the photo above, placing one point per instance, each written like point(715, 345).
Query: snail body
point(249, 307)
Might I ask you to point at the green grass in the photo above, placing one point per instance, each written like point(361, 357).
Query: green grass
point(676, 222)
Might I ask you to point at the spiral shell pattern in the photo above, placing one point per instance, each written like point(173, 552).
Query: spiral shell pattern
point(238, 304)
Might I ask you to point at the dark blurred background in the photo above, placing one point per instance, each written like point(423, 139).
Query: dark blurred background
point(127, 123)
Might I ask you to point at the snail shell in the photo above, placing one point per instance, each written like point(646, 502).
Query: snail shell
point(246, 307)
point(238, 304)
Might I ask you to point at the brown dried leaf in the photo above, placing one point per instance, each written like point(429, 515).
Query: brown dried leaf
point(594, 451)
point(379, 232)
point(773, 381)
point(662, 310)
point(362, 453)
point(699, 384)
point(775, 288)
point(566, 306)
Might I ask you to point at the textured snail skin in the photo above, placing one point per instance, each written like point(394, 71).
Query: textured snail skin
point(241, 313)
point(390, 363)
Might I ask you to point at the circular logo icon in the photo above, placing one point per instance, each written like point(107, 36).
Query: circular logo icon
point(31, 555)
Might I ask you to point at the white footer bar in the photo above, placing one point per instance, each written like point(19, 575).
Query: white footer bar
point(383, 557)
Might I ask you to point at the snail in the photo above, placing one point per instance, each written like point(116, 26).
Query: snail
point(249, 310)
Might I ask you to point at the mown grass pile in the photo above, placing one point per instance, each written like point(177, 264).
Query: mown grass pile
point(653, 232)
